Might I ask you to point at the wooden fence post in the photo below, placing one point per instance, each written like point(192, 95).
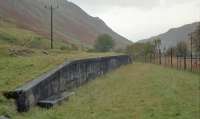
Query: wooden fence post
point(171, 57)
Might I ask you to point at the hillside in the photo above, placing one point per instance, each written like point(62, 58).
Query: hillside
point(71, 23)
point(175, 35)
point(25, 55)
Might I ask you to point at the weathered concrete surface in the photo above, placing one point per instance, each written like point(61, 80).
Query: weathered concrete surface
point(64, 78)
point(3, 117)
point(54, 100)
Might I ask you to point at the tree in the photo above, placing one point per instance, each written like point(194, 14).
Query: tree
point(181, 49)
point(140, 49)
point(148, 48)
point(196, 39)
point(171, 51)
point(157, 42)
point(104, 43)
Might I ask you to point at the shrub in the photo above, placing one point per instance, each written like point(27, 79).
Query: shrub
point(104, 43)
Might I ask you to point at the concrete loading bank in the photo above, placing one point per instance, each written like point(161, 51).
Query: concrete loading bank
point(56, 85)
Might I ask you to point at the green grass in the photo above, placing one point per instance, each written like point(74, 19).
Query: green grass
point(25, 55)
point(137, 91)
point(29, 61)
point(10, 34)
point(17, 70)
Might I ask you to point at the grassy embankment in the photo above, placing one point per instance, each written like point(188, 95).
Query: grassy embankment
point(25, 55)
point(137, 91)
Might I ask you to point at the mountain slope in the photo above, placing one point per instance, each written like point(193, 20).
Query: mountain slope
point(71, 23)
point(175, 35)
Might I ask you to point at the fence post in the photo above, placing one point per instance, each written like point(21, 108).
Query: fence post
point(165, 58)
point(171, 58)
point(177, 62)
point(199, 60)
point(191, 54)
point(150, 58)
point(160, 62)
point(185, 65)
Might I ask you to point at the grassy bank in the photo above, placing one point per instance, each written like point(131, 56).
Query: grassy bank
point(16, 70)
point(24, 55)
point(138, 91)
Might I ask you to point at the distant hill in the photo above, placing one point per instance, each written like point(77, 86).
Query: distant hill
point(71, 23)
point(175, 35)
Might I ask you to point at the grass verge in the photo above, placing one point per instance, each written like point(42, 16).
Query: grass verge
point(137, 91)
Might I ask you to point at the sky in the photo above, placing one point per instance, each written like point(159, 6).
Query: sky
point(141, 19)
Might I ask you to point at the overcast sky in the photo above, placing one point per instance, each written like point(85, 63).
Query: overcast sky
point(139, 19)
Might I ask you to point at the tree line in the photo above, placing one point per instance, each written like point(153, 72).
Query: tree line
point(152, 48)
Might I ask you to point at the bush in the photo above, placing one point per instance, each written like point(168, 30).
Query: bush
point(140, 49)
point(182, 49)
point(104, 43)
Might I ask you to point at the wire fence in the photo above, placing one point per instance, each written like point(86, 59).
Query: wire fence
point(191, 63)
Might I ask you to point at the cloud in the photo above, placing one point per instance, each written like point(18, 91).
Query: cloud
point(137, 24)
point(142, 4)
point(175, 2)
point(139, 19)
point(118, 3)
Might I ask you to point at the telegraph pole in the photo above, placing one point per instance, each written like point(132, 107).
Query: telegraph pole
point(52, 5)
point(51, 26)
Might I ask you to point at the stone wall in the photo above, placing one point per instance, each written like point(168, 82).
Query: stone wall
point(64, 78)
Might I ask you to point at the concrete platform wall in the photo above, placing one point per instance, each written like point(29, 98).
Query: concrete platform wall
point(64, 78)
